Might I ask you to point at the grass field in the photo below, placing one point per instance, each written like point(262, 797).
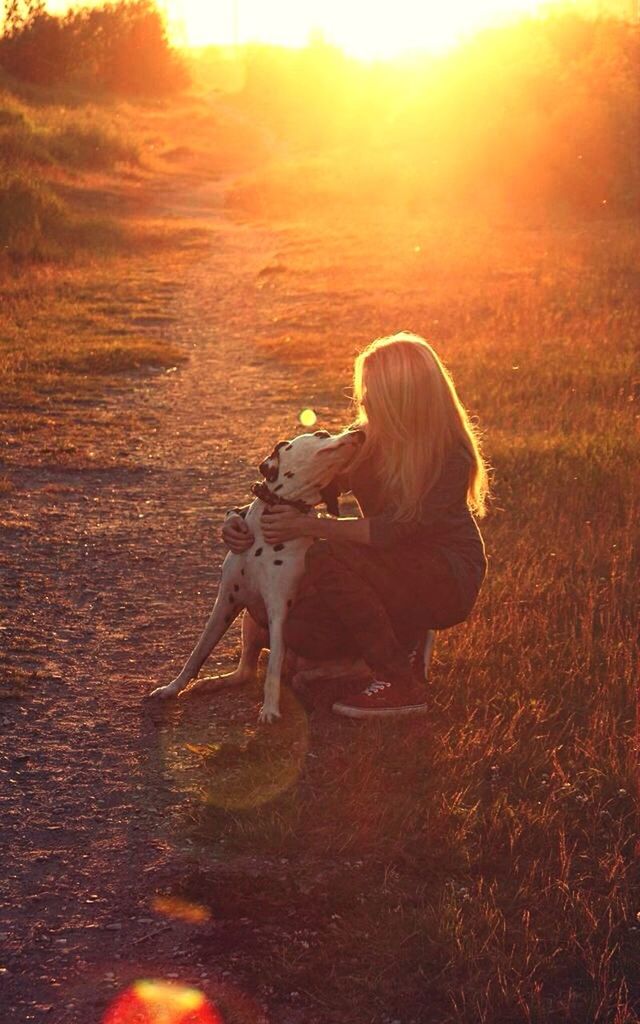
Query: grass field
point(478, 866)
point(490, 850)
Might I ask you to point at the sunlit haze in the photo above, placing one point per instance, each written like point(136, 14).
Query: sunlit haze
point(356, 26)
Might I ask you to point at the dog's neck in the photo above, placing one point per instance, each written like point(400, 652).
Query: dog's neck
point(262, 491)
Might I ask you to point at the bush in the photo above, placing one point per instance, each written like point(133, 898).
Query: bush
point(90, 148)
point(74, 146)
point(28, 212)
point(117, 48)
point(36, 224)
point(21, 144)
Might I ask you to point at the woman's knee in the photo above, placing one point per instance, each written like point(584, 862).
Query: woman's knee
point(301, 634)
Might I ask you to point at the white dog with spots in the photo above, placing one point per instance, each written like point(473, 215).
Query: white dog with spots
point(264, 579)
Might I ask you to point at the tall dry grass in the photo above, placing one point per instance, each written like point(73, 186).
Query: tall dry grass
point(478, 865)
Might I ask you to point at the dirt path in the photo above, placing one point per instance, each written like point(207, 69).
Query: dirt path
point(107, 576)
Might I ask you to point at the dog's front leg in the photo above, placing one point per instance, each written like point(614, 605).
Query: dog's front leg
point(254, 638)
point(229, 603)
point(271, 706)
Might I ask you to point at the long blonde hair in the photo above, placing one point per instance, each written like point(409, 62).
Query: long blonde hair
point(407, 403)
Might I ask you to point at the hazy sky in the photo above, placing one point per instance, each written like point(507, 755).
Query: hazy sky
point(359, 26)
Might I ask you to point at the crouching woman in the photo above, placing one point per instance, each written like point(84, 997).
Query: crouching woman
point(415, 560)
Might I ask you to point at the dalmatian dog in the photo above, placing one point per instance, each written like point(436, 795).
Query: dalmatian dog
point(264, 579)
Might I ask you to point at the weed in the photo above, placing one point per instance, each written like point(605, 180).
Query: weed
point(90, 148)
point(29, 212)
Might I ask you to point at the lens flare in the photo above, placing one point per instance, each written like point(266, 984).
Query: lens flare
point(308, 418)
point(235, 765)
point(159, 1002)
point(181, 910)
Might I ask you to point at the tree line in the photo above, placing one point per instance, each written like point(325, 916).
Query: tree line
point(119, 48)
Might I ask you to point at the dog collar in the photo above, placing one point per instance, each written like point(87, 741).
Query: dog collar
point(261, 491)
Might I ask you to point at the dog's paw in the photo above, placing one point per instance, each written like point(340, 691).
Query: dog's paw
point(163, 692)
point(268, 715)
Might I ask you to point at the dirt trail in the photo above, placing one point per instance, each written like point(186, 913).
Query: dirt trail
point(107, 576)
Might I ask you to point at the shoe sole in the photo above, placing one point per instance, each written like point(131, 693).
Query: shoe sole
point(404, 712)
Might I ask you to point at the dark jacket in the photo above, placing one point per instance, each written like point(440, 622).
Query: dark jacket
point(444, 525)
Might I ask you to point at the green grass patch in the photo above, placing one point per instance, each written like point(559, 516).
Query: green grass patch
point(35, 224)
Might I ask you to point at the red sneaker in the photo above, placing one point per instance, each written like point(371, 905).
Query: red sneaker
point(383, 700)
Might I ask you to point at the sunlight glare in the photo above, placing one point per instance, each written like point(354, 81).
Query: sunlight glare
point(308, 418)
point(360, 29)
point(159, 1002)
point(232, 765)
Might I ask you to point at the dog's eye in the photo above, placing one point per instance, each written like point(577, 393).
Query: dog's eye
point(322, 433)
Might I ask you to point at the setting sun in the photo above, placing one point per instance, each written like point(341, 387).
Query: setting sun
point(360, 29)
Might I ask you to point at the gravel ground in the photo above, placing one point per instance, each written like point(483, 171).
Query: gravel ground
point(109, 560)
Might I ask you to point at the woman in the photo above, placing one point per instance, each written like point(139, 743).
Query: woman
point(415, 560)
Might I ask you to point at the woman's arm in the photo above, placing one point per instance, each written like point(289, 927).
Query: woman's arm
point(348, 529)
point(281, 523)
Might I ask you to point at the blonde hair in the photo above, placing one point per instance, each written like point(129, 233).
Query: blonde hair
point(407, 402)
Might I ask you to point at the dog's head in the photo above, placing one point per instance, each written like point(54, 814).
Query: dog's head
point(304, 467)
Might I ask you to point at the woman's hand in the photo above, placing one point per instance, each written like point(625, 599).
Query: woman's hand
point(281, 522)
point(236, 534)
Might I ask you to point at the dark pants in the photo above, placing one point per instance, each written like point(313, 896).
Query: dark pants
point(359, 601)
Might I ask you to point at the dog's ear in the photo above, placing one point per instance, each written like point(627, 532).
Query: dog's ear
point(270, 473)
point(330, 495)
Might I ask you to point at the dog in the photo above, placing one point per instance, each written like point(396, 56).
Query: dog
point(264, 579)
